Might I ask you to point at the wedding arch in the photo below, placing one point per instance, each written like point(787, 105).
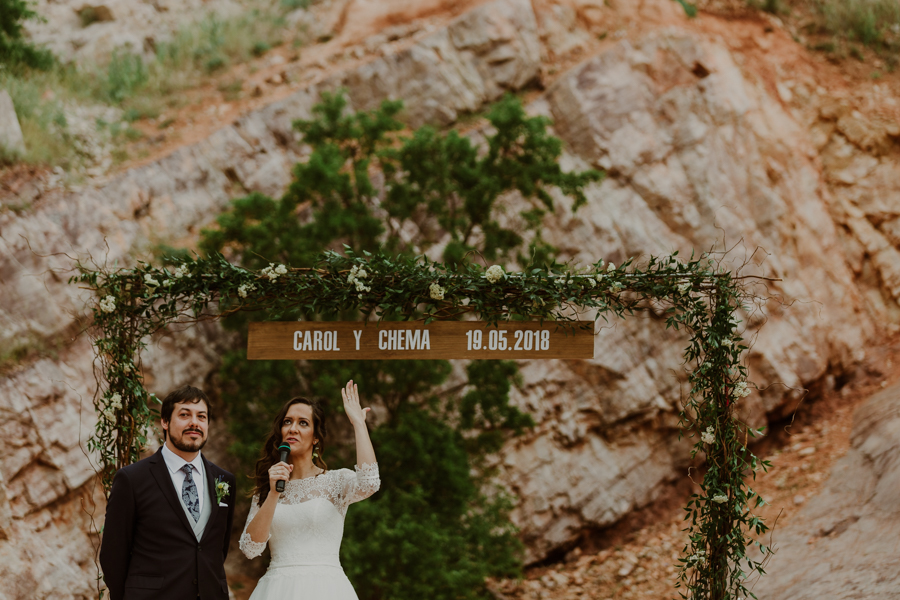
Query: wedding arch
point(696, 295)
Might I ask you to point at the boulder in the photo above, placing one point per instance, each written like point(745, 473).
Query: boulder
point(11, 139)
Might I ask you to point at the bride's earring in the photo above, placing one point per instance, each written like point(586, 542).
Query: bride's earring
point(315, 452)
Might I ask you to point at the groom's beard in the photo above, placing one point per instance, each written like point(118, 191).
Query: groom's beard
point(187, 445)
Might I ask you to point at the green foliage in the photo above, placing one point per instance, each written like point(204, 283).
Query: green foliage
point(689, 9)
point(125, 74)
point(772, 6)
point(431, 177)
point(873, 23)
point(866, 21)
point(15, 51)
point(429, 532)
point(260, 48)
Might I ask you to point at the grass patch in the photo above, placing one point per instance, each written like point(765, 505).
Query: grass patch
point(869, 22)
point(232, 89)
point(775, 7)
point(260, 48)
point(41, 115)
point(141, 87)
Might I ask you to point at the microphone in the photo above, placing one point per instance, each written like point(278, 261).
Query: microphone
point(283, 457)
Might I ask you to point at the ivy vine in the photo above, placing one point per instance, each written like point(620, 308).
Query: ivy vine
point(694, 295)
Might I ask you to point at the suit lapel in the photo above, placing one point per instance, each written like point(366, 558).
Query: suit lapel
point(164, 479)
point(210, 494)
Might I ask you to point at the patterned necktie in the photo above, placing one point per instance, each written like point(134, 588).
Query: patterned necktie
point(189, 493)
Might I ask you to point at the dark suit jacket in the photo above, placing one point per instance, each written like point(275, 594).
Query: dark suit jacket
point(149, 549)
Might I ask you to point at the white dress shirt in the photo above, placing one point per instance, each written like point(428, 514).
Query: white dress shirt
point(175, 463)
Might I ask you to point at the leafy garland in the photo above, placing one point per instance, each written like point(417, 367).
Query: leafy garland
point(696, 295)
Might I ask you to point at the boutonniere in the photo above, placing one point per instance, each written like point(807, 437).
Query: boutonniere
point(222, 489)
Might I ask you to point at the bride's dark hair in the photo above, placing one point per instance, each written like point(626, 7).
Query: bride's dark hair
point(270, 448)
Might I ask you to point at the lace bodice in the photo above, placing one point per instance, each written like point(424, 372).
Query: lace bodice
point(309, 518)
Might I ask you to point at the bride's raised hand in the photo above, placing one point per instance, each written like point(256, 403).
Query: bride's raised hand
point(356, 414)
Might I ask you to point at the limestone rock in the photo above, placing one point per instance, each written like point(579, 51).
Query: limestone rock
point(842, 543)
point(489, 50)
point(690, 156)
point(11, 139)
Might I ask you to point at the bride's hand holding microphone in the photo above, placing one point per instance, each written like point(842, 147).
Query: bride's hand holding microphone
point(280, 472)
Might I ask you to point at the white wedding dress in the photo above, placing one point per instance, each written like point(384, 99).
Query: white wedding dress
point(305, 536)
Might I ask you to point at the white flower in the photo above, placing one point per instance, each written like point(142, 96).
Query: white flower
point(109, 415)
point(181, 271)
point(560, 281)
point(494, 274)
point(108, 304)
point(708, 437)
point(273, 272)
point(356, 274)
point(167, 282)
point(699, 557)
point(126, 368)
point(592, 281)
point(599, 277)
point(150, 281)
point(611, 267)
point(245, 288)
point(115, 401)
point(727, 343)
point(720, 498)
point(741, 390)
point(616, 286)
point(437, 292)
point(222, 490)
point(683, 288)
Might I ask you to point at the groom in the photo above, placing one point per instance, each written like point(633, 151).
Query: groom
point(168, 518)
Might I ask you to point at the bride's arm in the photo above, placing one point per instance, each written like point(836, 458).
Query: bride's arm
point(365, 453)
point(258, 527)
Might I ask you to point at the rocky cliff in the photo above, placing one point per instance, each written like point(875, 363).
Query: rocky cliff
point(706, 146)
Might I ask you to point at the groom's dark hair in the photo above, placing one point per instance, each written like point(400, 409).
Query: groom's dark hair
point(185, 394)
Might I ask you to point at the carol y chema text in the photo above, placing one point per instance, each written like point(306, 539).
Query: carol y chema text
point(388, 339)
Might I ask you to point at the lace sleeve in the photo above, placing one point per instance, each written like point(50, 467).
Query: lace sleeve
point(250, 548)
point(361, 484)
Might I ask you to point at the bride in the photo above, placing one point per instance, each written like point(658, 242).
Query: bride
point(304, 525)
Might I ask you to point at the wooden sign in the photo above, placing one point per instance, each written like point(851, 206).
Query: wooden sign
point(308, 340)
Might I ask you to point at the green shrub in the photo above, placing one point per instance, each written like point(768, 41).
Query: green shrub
point(214, 63)
point(126, 73)
point(260, 48)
